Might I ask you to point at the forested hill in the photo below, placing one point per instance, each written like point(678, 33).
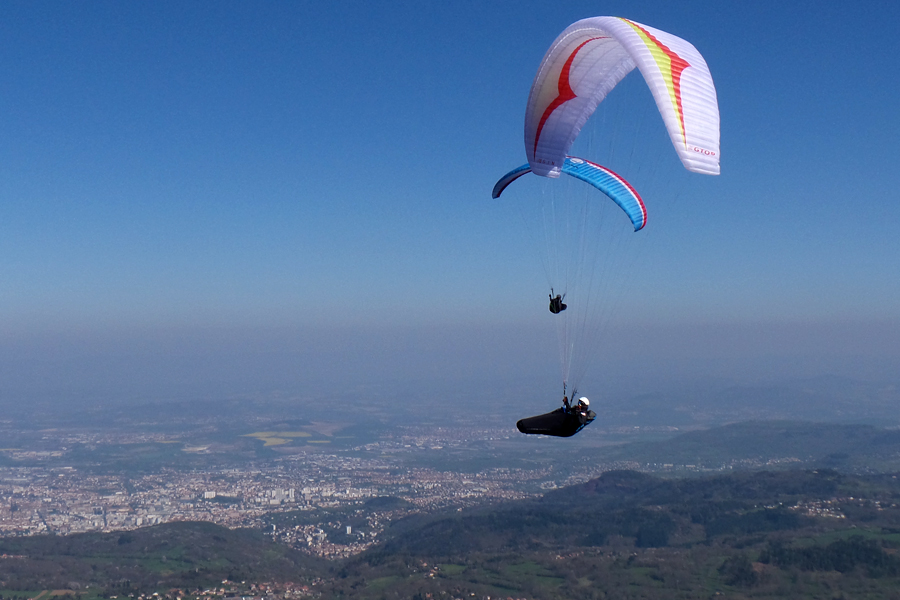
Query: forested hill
point(632, 535)
point(173, 555)
point(650, 510)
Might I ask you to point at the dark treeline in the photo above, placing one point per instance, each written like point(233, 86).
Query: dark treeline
point(185, 555)
point(647, 509)
point(841, 555)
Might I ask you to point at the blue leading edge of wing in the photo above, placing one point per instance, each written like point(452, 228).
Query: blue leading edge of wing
point(611, 184)
point(508, 179)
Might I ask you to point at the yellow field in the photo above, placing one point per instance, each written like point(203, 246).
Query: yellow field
point(276, 438)
point(284, 434)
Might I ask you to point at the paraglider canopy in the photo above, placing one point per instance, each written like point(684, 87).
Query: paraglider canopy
point(580, 69)
point(589, 59)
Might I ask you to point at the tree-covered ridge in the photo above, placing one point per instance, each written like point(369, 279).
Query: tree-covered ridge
point(652, 511)
point(631, 535)
point(186, 555)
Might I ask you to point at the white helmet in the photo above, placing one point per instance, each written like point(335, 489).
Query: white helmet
point(584, 401)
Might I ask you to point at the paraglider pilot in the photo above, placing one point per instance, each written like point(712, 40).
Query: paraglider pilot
point(583, 411)
point(562, 422)
point(556, 304)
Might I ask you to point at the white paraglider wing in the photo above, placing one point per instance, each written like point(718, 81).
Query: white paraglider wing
point(589, 59)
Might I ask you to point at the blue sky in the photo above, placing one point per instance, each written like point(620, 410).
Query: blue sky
point(253, 198)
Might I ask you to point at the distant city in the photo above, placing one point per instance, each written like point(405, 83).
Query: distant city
point(330, 488)
point(73, 482)
point(48, 496)
point(340, 494)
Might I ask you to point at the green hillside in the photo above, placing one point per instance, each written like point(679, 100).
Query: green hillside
point(180, 555)
point(788, 534)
